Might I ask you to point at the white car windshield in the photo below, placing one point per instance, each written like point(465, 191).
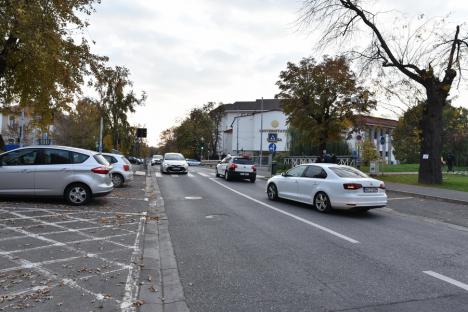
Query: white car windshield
point(174, 157)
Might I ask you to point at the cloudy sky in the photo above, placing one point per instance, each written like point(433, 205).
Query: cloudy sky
point(187, 53)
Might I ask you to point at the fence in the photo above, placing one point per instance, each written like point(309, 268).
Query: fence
point(293, 161)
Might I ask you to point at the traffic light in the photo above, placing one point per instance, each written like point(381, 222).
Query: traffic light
point(141, 132)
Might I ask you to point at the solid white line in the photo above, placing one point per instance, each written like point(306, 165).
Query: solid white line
point(131, 285)
point(190, 175)
point(203, 174)
point(447, 279)
point(158, 175)
point(398, 198)
point(349, 239)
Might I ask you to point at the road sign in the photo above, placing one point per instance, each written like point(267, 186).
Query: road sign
point(141, 132)
point(272, 137)
point(272, 147)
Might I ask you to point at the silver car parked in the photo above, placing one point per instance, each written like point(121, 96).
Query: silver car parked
point(121, 169)
point(76, 174)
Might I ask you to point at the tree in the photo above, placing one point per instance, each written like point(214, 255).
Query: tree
point(116, 101)
point(369, 152)
point(407, 134)
point(80, 127)
point(42, 62)
point(431, 65)
point(321, 99)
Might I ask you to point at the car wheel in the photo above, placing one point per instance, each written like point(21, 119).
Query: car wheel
point(252, 180)
point(272, 192)
point(322, 202)
point(217, 174)
point(117, 179)
point(227, 176)
point(78, 194)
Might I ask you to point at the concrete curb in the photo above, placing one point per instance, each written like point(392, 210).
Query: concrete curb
point(433, 197)
point(160, 286)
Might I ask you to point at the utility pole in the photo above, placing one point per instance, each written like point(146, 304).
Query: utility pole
point(100, 135)
point(22, 129)
point(261, 133)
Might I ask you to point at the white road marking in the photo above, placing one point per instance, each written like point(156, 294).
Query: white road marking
point(131, 286)
point(399, 198)
point(158, 174)
point(174, 175)
point(447, 279)
point(190, 175)
point(140, 173)
point(325, 229)
point(203, 174)
point(193, 197)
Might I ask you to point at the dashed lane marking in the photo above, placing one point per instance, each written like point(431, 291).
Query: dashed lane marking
point(203, 174)
point(447, 279)
point(323, 228)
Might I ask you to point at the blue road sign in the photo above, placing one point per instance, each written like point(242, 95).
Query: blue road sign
point(272, 147)
point(272, 137)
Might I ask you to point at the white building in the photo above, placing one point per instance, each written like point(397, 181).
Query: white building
point(242, 131)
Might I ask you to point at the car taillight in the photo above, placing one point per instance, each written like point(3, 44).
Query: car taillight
point(352, 186)
point(100, 170)
point(126, 167)
point(232, 166)
point(254, 168)
point(382, 186)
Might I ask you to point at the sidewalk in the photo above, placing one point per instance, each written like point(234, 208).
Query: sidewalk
point(450, 196)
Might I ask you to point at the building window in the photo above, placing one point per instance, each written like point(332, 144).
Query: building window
point(11, 121)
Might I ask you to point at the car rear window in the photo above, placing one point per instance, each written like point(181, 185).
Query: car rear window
point(101, 160)
point(126, 161)
point(243, 161)
point(79, 158)
point(348, 172)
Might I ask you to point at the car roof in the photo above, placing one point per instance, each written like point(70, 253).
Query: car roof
point(69, 148)
point(112, 154)
point(325, 165)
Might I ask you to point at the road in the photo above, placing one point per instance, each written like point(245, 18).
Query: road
point(237, 251)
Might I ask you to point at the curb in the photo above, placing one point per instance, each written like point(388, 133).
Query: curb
point(437, 198)
point(160, 286)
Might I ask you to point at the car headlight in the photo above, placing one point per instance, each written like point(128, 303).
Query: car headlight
point(165, 165)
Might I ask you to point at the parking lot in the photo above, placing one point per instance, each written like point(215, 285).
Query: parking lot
point(55, 257)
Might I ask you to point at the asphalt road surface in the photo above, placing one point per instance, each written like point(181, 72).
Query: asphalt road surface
point(237, 251)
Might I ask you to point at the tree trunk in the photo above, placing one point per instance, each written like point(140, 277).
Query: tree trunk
point(430, 164)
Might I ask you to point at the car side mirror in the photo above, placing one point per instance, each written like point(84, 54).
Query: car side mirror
point(284, 174)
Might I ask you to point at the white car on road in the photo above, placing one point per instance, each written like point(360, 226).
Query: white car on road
point(174, 163)
point(328, 186)
point(237, 167)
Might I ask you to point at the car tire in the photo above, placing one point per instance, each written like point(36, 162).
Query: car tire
point(252, 180)
point(117, 179)
point(322, 202)
point(77, 194)
point(217, 174)
point(272, 192)
point(227, 176)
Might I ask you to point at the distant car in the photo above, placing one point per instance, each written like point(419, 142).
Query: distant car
point(193, 162)
point(237, 167)
point(73, 173)
point(174, 163)
point(327, 187)
point(156, 160)
point(121, 169)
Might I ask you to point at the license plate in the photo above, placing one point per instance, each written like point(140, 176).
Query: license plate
point(371, 190)
point(176, 169)
point(244, 174)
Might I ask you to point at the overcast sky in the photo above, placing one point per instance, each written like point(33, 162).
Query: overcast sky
point(187, 53)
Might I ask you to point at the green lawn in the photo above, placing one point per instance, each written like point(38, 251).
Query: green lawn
point(450, 181)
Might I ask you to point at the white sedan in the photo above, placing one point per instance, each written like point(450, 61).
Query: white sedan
point(328, 186)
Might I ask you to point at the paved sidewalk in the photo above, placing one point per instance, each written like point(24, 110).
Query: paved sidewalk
point(450, 196)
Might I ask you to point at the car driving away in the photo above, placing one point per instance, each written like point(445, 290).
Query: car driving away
point(327, 187)
point(73, 173)
point(156, 160)
point(237, 167)
point(174, 163)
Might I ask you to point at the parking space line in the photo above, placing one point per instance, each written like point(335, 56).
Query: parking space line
point(447, 279)
point(325, 229)
point(190, 175)
point(203, 174)
point(68, 211)
point(131, 285)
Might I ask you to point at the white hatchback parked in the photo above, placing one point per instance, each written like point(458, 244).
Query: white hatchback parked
point(121, 169)
point(328, 186)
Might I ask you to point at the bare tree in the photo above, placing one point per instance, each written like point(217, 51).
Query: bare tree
point(428, 56)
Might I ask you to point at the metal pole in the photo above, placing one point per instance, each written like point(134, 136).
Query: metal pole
point(100, 135)
point(22, 129)
point(237, 140)
point(261, 133)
